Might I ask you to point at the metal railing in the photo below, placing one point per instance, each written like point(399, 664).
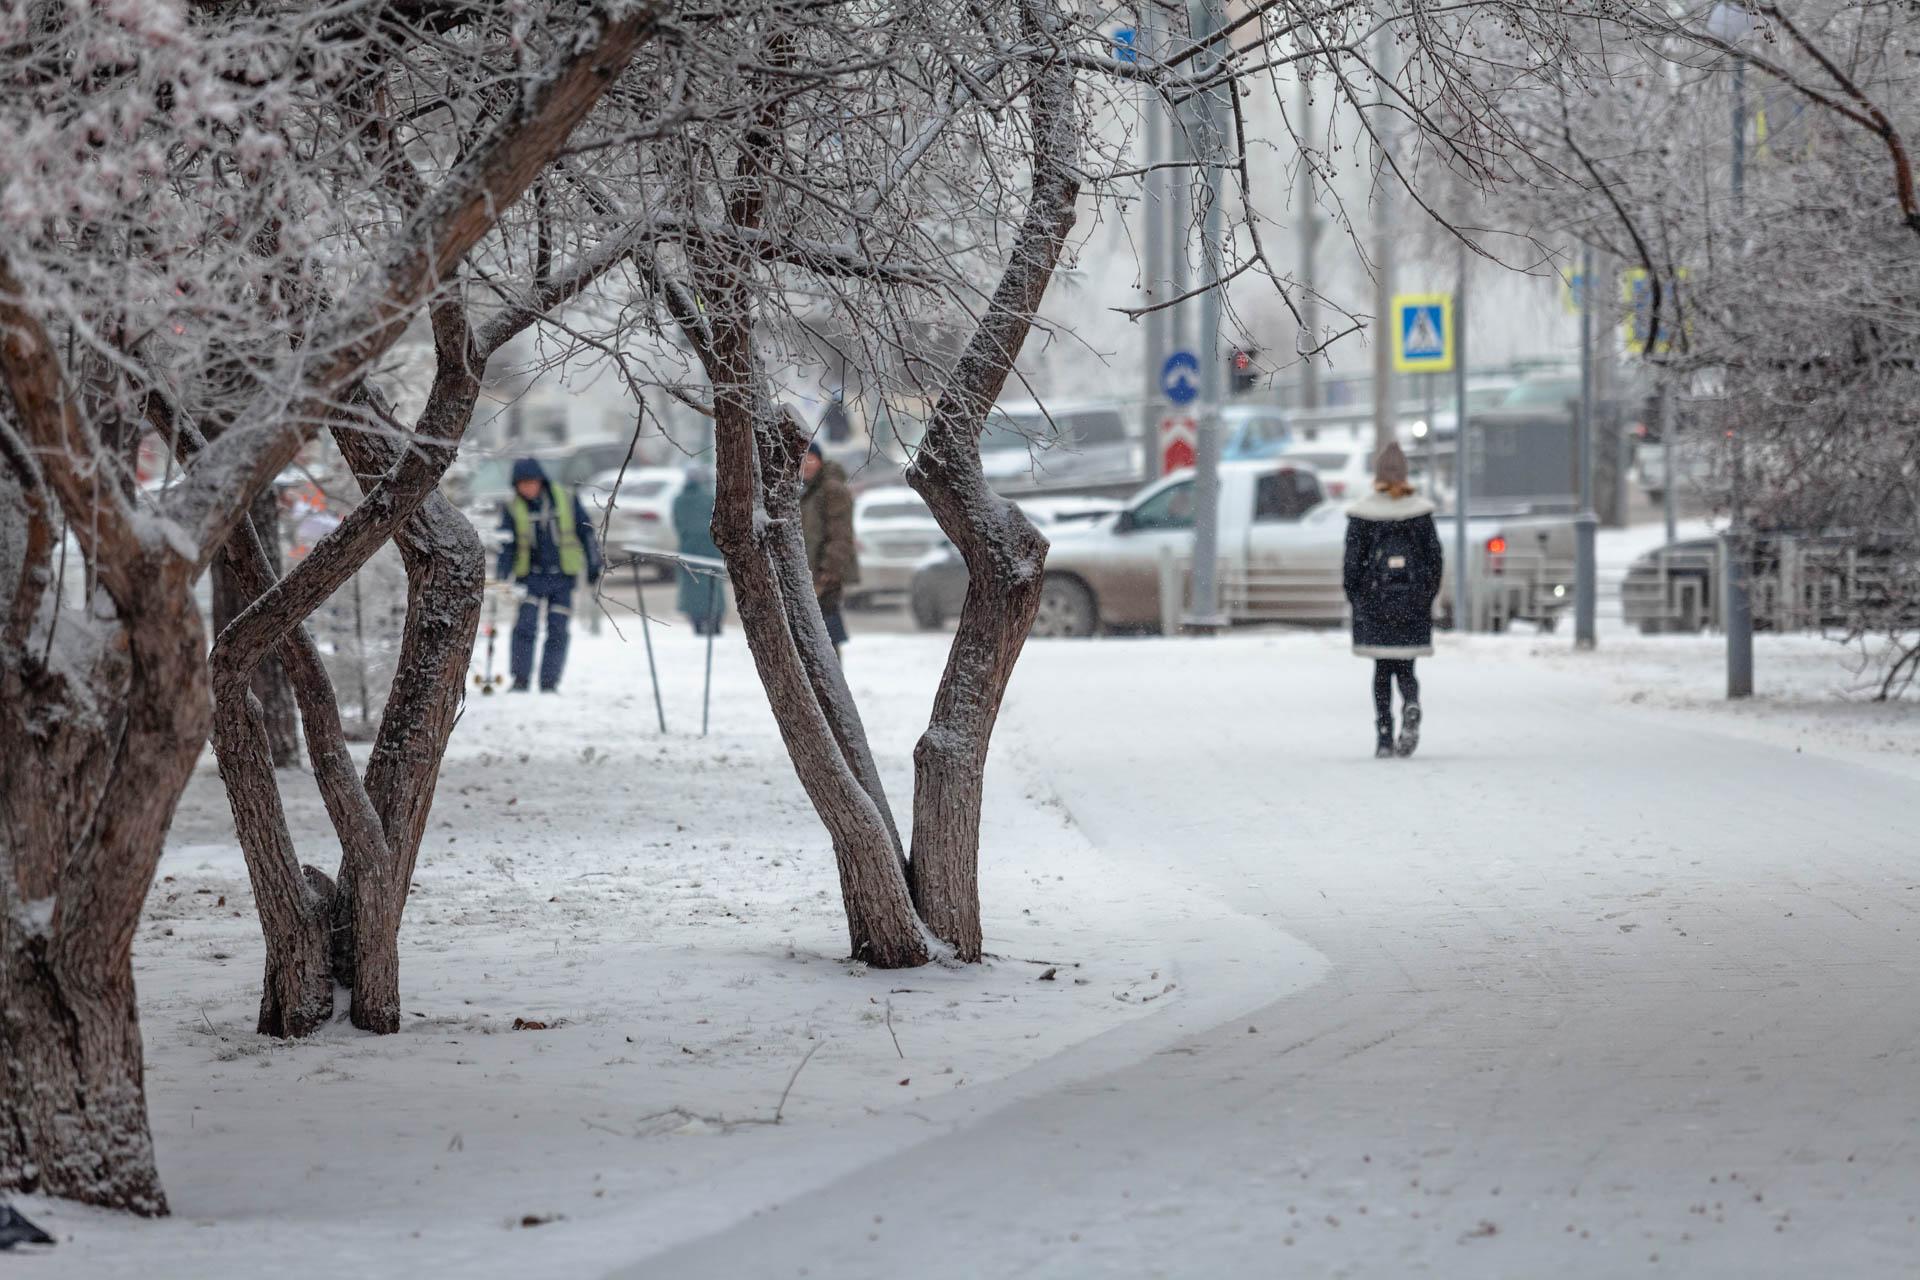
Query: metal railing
point(1794, 584)
point(1520, 585)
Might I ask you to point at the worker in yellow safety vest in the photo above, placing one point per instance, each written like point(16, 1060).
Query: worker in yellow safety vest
point(547, 543)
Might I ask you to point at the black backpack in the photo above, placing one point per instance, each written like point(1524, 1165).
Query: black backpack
point(1394, 551)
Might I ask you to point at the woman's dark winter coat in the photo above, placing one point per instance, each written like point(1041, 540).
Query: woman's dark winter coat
point(1392, 574)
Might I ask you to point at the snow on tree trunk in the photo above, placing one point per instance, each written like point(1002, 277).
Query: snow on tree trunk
point(90, 788)
point(881, 925)
point(99, 734)
point(446, 578)
point(1004, 554)
point(72, 1114)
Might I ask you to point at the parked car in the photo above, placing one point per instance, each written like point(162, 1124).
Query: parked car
point(939, 583)
point(1067, 446)
point(1274, 523)
point(1522, 563)
point(1345, 471)
point(642, 511)
point(1543, 391)
point(1252, 431)
point(892, 531)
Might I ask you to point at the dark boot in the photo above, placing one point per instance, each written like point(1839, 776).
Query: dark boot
point(1409, 730)
point(1383, 740)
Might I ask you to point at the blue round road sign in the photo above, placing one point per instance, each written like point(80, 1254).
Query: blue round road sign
point(1180, 377)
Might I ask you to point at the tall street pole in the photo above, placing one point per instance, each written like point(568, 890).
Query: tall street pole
point(1383, 395)
point(1309, 246)
point(1668, 416)
point(1462, 472)
point(1585, 522)
point(1210, 137)
point(1739, 601)
point(1154, 238)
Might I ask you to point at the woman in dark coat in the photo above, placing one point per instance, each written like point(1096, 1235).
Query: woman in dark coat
point(703, 596)
point(1392, 574)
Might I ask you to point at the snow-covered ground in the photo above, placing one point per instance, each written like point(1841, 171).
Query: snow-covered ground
point(1608, 979)
point(666, 906)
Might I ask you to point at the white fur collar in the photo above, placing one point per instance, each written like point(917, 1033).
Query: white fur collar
point(1378, 506)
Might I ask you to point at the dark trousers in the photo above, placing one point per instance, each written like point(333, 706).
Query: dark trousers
point(1385, 672)
point(836, 623)
point(552, 594)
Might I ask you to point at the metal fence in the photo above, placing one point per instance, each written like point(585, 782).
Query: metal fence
point(1520, 585)
point(1794, 583)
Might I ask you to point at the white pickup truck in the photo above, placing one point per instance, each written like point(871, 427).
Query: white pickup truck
point(1281, 544)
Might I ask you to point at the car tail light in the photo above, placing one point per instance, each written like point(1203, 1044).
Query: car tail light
point(649, 517)
point(1337, 488)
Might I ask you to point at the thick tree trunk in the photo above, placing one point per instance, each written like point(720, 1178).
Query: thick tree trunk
point(1004, 554)
point(756, 526)
point(278, 713)
point(446, 577)
point(296, 994)
point(97, 755)
point(349, 933)
point(1005, 569)
point(780, 457)
point(882, 928)
point(72, 1116)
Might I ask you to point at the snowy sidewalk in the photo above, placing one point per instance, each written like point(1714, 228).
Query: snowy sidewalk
point(1612, 993)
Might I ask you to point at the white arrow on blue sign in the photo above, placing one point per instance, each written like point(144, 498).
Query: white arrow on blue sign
point(1180, 377)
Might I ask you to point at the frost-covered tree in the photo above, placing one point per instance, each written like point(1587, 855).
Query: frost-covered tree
point(918, 168)
point(217, 220)
point(1753, 165)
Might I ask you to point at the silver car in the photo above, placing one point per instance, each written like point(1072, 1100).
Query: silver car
point(1067, 446)
point(892, 533)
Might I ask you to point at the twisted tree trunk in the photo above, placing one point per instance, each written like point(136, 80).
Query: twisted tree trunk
point(1005, 555)
point(279, 714)
point(892, 904)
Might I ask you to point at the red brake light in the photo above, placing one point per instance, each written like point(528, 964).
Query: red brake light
point(649, 517)
point(1337, 488)
point(1496, 546)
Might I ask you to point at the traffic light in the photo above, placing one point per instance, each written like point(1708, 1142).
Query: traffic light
point(1240, 370)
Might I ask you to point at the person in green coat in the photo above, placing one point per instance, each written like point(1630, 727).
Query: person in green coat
point(703, 596)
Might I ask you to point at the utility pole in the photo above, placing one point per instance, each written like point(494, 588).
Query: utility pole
point(1210, 134)
point(1669, 414)
point(1739, 602)
point(1309, 247)
point(1462, 471)
point(1154, 238)
point(1585, 522)
point(1383, 397)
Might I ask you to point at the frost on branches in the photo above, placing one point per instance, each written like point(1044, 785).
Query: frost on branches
point(1782, 252)
point(217, 222)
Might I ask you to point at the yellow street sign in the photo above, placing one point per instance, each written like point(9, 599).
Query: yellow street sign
point(1423, 332)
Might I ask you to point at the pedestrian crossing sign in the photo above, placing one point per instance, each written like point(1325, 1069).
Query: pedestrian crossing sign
point(1423, 332)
